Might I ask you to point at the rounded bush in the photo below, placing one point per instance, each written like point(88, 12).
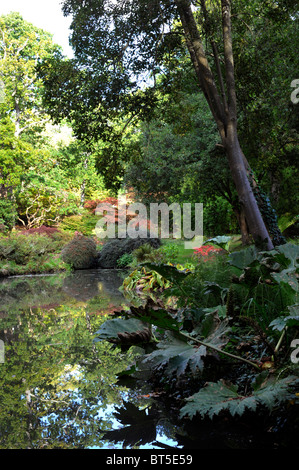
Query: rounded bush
point(80, 253)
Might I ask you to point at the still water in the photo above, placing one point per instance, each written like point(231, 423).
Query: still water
point(59, 389)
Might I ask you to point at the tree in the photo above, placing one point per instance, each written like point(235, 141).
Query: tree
point(22, 46)
point(178, 155)
point(118, 43)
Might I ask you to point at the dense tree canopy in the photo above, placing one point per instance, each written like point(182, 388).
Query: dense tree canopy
point(122, 47)
point(43, 174)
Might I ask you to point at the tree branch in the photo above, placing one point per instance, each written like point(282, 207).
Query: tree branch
point(201, 64)
point(228, 58)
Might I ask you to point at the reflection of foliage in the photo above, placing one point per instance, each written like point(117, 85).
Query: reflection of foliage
point(55, 379)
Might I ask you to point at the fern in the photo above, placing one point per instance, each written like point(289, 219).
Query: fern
point(223, 396)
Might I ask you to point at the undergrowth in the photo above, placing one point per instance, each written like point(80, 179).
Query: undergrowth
point(224, 345)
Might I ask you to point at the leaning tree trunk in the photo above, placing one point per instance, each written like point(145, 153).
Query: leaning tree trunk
point(223, 106)
point(246, 196)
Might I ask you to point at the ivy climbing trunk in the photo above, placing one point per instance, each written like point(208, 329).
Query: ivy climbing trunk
point(223, 105)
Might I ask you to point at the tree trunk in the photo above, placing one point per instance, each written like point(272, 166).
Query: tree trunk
point(83, 185)
point(240, 216)
point(224, 110)
point(247, 199)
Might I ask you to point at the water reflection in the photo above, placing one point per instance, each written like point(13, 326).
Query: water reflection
point(58, 389)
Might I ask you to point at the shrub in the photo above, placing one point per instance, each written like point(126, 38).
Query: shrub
point(115, 248)
point(34, 253)
point(92, 205)
point(206, 253)
point(84, 223)
point(125, 260)
point(8, 213)
point(80, 253)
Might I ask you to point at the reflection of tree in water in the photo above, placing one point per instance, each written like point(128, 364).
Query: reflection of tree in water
point(86, 284)
point(31, 291)
point(54, 290)
point(56, 384)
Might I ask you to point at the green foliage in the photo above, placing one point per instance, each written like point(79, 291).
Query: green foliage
point(125, 260)
point(143, 252)
point(144, 280)
point(23, 254)
point(110, 329)
point(208, 323)
point(8, 213)
point(178, 356)
point(84, 223)
point(20, 52)
point(286, 221)
point(216, 398)
point(40, 204)
point(222, 241)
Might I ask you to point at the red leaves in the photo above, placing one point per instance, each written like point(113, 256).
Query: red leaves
point(206, 252)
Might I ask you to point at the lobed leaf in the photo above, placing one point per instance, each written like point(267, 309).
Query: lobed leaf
point(177, 355)
point(222, 396)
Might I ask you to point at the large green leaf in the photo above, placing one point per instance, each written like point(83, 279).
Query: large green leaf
point(291, 252)
point(111, 328)
point(177, 355)
point(288, 277)
point(290, 320)
point(223, 241)
point(221, 396)
point(242, 259)
point(158, 317)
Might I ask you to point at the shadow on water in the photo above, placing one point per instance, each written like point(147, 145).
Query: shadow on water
point(59, 389)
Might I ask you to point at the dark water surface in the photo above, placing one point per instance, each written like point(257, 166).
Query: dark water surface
point(59, 389)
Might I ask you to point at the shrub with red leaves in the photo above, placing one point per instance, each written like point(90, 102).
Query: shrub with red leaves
point(92, 204)
point(43, 230)
point(206, 252)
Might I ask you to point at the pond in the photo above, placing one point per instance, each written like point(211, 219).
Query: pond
point(59, 389)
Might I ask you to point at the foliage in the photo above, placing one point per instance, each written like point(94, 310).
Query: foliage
point(84, 223)
point(142, 279)
point(80, 252)
point(192, 333)
point(219, 397)
point(39, 205)
point(34, 253)
point(114, 248)
point(125, 260)
point(22, 47)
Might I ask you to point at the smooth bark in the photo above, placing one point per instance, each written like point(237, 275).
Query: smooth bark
point(224, 110)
